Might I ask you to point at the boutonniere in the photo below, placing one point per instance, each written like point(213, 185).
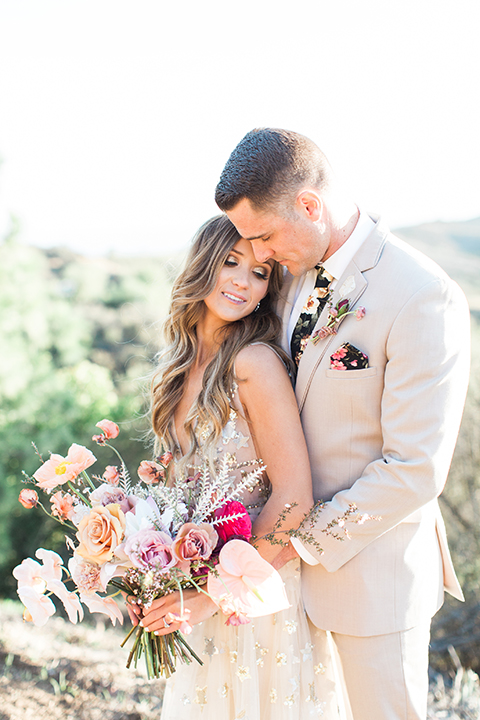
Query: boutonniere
point(335, 317)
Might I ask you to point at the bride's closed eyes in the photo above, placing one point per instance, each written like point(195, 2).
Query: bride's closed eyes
point(260, 272)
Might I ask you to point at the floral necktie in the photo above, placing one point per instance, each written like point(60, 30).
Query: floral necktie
point(310, 314)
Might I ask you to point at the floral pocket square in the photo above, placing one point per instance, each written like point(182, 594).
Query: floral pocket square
point(348, 357)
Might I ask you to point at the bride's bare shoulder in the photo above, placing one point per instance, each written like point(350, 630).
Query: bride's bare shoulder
point(257, 361)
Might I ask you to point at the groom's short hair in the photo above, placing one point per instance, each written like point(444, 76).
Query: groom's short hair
point(268, 167)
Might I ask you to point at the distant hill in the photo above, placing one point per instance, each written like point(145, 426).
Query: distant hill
point(455, 246)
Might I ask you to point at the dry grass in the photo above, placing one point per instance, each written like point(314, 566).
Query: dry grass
point(69, 672)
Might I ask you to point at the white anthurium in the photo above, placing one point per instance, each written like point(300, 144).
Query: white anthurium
point(143, 518)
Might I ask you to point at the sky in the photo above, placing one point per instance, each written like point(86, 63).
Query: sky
point(117, 116)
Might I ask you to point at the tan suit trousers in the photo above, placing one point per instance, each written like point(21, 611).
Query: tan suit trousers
point(386, 675)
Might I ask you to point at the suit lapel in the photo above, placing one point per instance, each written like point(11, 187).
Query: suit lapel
point(286, 306)
point(351, 285)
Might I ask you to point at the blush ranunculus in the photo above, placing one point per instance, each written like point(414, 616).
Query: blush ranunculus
point(28, 498)
point(100, 532)
point(109, 429)
point(150, 549)
point(150, 472)
point(59, 470)
point(194, 542)
point(236, 526)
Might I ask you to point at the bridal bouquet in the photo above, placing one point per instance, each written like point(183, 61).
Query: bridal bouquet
point(143, 540)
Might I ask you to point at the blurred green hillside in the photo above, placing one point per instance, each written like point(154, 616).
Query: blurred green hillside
point(77, 339)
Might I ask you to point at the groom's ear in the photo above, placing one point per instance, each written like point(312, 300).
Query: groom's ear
point(310, 204)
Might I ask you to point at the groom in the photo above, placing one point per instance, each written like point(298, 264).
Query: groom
point(380, 336)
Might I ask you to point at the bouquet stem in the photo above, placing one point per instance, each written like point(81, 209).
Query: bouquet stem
point(161, 651)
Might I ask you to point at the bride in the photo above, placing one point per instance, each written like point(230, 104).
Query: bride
point(223, 387)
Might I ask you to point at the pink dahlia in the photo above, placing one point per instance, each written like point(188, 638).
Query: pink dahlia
point(236, 524)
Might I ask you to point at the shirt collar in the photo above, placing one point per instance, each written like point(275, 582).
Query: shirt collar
point(337, 263)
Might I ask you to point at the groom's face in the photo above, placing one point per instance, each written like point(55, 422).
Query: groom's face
point(293, 240)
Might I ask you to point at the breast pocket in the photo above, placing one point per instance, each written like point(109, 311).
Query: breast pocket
point(351, 374)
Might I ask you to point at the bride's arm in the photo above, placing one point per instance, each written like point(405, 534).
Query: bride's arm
point(267, 396)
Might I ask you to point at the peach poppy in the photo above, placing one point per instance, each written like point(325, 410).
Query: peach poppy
point(59, 470)
point(28, 498)
point(109, 429)
point(150, 472)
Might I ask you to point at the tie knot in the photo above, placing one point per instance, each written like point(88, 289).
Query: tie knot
point(323, 277)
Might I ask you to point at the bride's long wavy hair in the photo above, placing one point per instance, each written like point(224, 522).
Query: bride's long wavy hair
point(211, 247)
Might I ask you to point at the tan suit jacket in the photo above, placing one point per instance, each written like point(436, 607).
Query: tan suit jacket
point(383, 438)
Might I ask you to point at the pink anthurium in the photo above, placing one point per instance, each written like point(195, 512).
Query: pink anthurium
point(244, 575)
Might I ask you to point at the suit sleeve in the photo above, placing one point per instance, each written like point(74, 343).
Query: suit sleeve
point(425, 383)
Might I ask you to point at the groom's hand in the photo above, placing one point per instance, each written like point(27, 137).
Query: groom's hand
point(287, 553)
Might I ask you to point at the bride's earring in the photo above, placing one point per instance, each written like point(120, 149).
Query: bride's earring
point(257, 307)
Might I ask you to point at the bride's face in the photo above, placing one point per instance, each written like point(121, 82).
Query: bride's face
point(241, 284)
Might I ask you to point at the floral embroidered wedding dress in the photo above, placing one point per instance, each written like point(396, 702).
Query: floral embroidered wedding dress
point(275, 667)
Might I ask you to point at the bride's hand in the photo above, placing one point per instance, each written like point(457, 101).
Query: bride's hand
point(165, 614)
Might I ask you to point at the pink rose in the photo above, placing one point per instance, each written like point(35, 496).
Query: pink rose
point(360, 313)
point(28, 498)
point(236, 526)
point(109, 429)
point(59, 470)
point(150, 549)
point(111, 475)
point(194, 542)
point(150, 472)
